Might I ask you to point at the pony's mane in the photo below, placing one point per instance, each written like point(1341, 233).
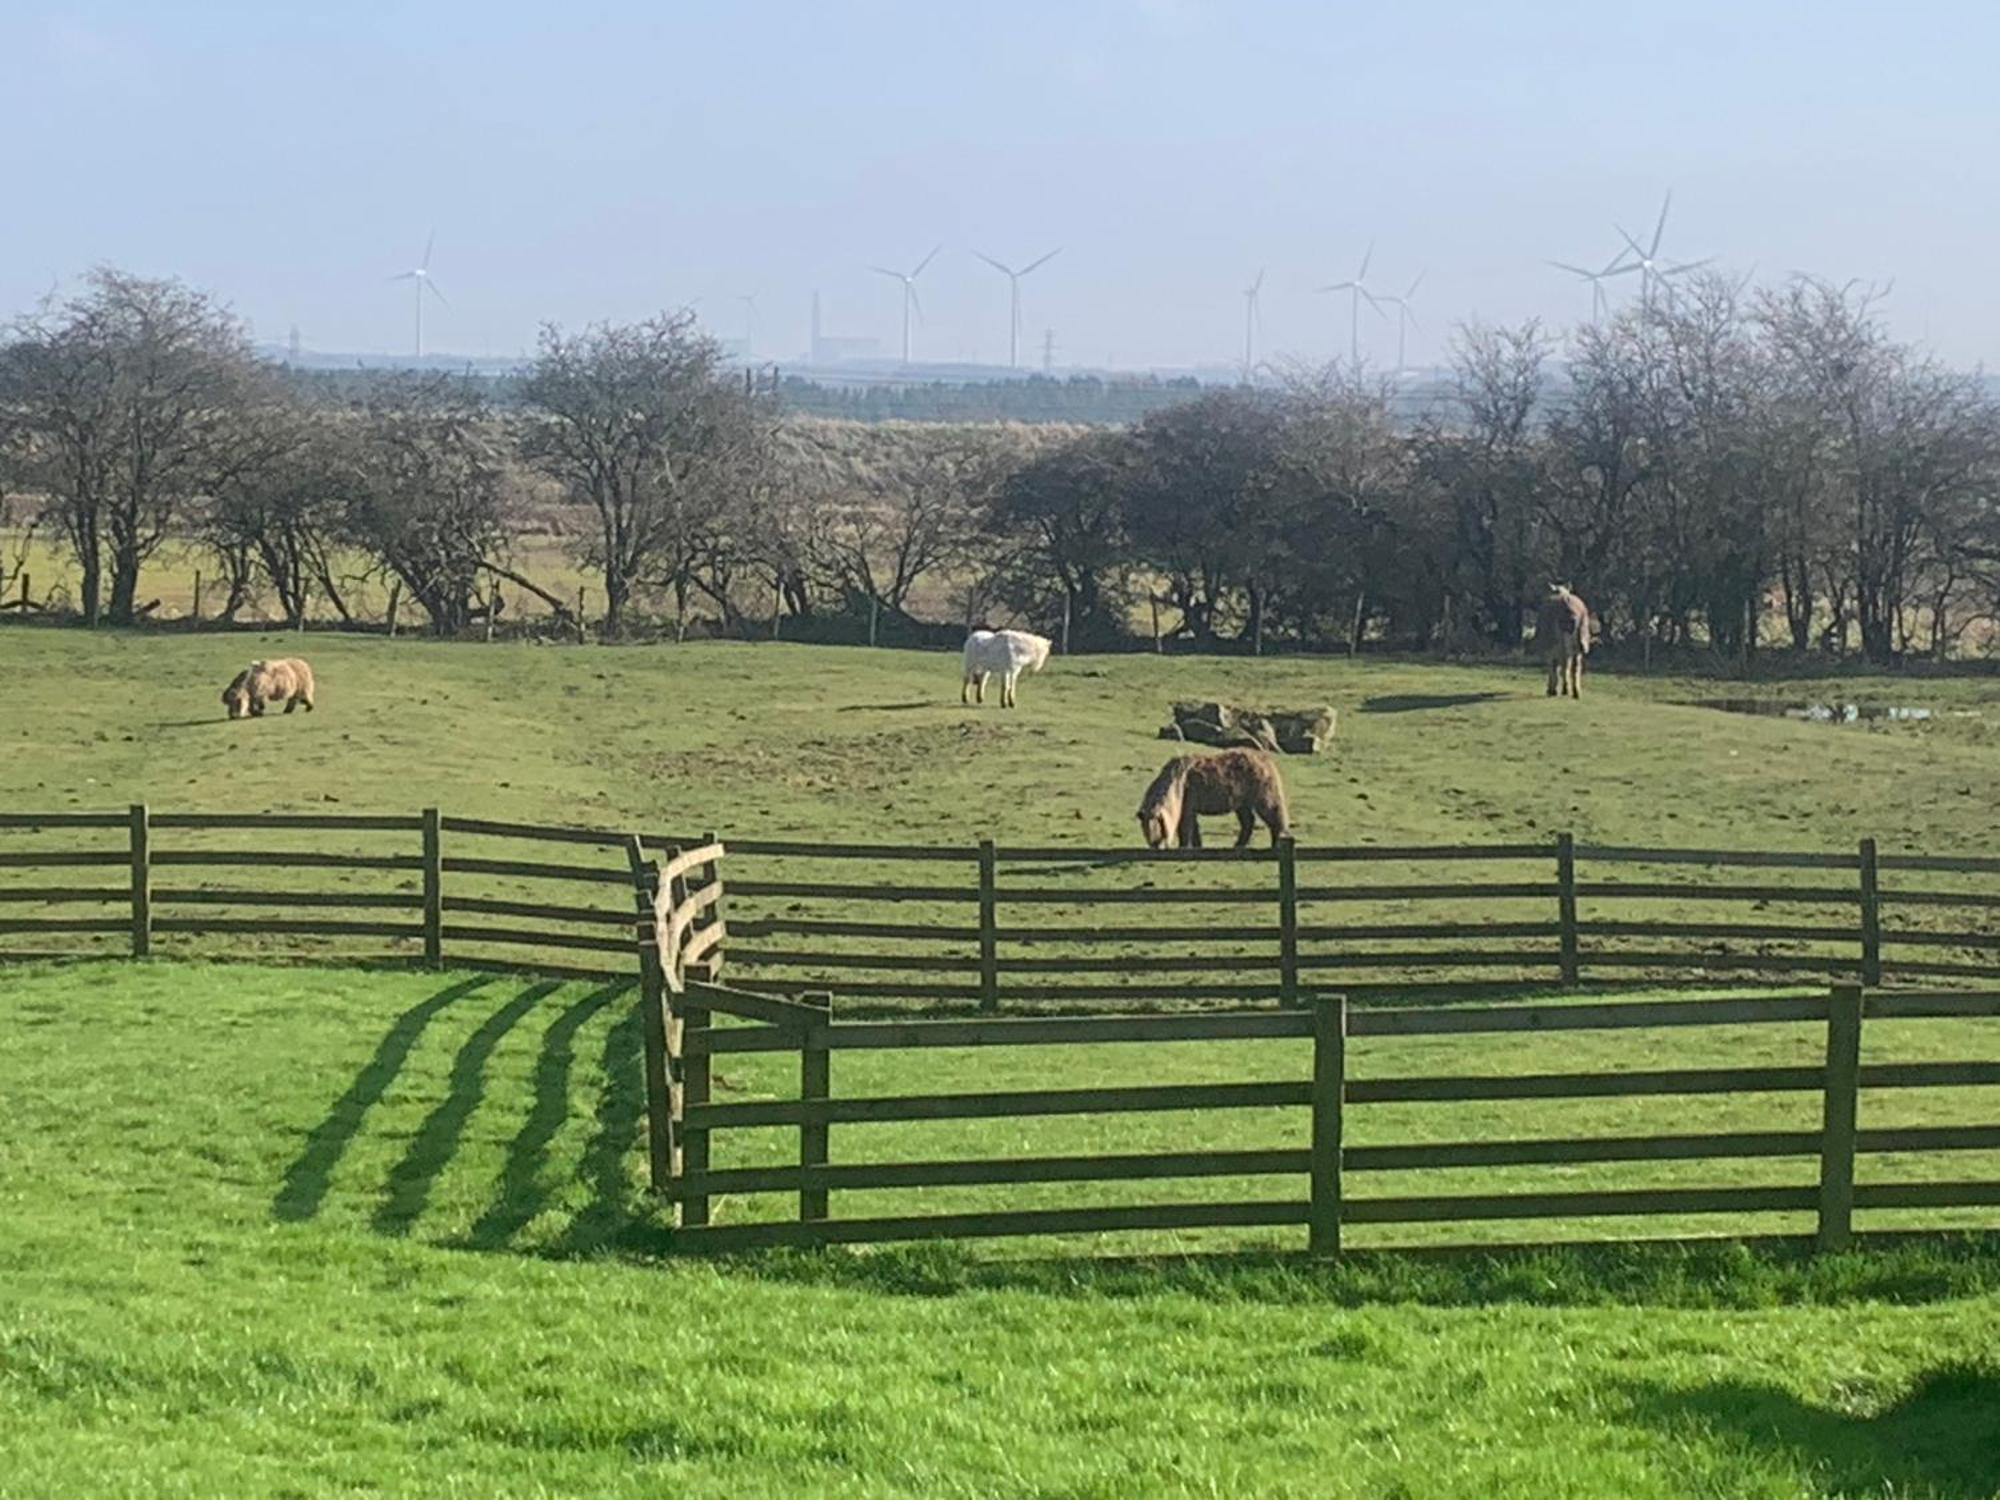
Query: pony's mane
point(1167, 789)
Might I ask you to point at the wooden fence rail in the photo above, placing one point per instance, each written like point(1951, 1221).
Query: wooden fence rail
point(1024, 927)
point(1326, 1092)
point(458, 890)
point(1002, 926)
point(1012, 921)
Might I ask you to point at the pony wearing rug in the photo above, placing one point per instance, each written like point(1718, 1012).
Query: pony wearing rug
point(1562, 630)
point(1008, 652)
point(1244, 782)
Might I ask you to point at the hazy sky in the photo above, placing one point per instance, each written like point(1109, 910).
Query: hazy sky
point(586, 160)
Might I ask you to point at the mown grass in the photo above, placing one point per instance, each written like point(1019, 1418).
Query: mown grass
point(293, 1232)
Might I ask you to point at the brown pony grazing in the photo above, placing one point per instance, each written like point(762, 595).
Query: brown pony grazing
point(1244, 782)
point(287, 680)
point(1562, 630)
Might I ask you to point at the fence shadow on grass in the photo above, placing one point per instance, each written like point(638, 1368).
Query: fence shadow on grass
point(436, 1141)
point(307, 1179)
point(1941, 1438)
point(524, 1190)
point(1920, 1269)
point(617, 1216)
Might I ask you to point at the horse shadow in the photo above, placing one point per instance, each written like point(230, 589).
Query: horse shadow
point(887, 708)
point(1409, 703)
point(1940, 1438)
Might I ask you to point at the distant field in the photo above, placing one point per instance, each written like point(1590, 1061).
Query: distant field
point(170, 577)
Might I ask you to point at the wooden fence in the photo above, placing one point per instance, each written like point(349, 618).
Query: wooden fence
point(423, 888)
point(688, 1120)
point(1272, 930)
point(990, 928)
point(995, 927)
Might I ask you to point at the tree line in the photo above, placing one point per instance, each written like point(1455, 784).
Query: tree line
point(1715, 468)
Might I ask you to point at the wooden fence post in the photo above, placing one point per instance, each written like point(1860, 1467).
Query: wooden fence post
point(1572, 968)
point(1329, 1084)
point(1837, 1128)
point(989, 927)
point(1871, 916)
point(433, 888)
point(142, 881)
point(1288, 922)
point(815, 1085)
point(694, 1093)
point(656, 1023)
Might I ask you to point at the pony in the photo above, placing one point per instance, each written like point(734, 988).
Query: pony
point(1244, 782)
point(1562, 630)
point(1007, 652)
point(287, 680)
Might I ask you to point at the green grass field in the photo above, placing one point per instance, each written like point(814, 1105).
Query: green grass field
point(775, 740)
point(283, 1232)
point(269, 1230)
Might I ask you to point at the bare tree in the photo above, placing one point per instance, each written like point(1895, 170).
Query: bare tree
point(1056, 537)
point(127, 394)
point(1490, 467)
point(898, 502)
point(428, 493)
point(640, 423)
point(278, 515)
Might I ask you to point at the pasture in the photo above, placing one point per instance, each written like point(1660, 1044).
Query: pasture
point(285, 1230)
point(775, 740)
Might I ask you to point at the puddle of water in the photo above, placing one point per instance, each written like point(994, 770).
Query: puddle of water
point(1833, 713)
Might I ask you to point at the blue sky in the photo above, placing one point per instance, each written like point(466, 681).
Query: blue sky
point(602, 160)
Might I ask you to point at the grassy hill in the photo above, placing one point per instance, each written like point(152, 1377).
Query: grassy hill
point(781, 740)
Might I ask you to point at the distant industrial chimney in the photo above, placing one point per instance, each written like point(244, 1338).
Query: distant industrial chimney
point(292, 346)
point(813, 354)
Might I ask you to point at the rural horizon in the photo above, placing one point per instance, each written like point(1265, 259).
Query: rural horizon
point(1094, 750)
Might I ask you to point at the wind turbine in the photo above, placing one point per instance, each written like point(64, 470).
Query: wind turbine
point(910, 303)
point(422, 277)
point(1253, 319)
point(1014, 299)
point(1406, 319)
point(1651, 274)
point(1616, 266)
point(1358, 292)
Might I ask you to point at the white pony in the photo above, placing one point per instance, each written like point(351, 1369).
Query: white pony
point(1006, 652)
